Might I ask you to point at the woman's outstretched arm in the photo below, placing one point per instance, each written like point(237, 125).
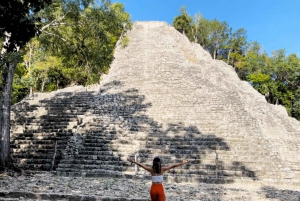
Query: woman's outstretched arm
point(174, 165)
point(149, 169)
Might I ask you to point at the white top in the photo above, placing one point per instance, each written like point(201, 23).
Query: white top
point(159, 178)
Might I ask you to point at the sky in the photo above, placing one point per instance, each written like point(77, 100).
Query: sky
point(275, 24)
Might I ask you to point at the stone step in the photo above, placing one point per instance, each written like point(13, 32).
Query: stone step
point(185, 137)
point(75, 103)
point(141, 154)
point(31, 196)
point(168, 159)
point(162, 148)
point(27, 156)
point(69, 163)
point(72, 162)
point(36, 146)
point(101, 132)
point(59, 139)
point(106, 143)
point(60, 116)
point(63, 117)
point(115, 138)
point(90, 168)
point(99, 157)
point(41, 134)
point(178, 178)
point(33, 160)
point(46, 155)
point(142, 157)
point(127, 140)
point(33, 151)
point(48, 130)
point(102, 148)
point(51, 127)
point(129, 149)
point(45, 122)
point(9, 199)
point(129, 169)
point(117, 160)
point(33, 141)
point(35, 166)
point(96, 147)
point(46, 144)
point(95, 163)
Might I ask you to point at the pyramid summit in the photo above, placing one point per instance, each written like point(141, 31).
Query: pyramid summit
point(164, 96)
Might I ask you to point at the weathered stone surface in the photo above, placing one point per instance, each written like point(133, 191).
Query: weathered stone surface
point(164, 96)
point(49, 187)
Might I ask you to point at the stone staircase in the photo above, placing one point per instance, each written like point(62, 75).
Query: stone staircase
point(47, 124)
point(109, 138)
point(169, 100)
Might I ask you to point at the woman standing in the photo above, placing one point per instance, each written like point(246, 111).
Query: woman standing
point(157, 189)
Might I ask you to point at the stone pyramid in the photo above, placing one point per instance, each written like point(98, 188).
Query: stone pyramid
point(164, 96)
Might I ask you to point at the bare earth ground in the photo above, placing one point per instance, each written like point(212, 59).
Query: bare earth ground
point(46, 186)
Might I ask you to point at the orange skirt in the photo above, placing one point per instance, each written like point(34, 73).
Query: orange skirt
point(157, 192)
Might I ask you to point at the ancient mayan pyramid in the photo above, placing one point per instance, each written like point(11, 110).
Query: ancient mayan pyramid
point(164, 96)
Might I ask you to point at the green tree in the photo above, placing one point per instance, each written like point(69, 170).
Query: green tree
point(254, 61)
point(20, 86)
point(236, 45)
point(183, 23)
point(285, 72)
point(296, 105)
point(18, 24)
point(218, 35)
point(86, 43)
point(203, 30)
point(83, 40)
point(42, 69)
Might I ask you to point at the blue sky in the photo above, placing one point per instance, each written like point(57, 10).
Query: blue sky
point(275, 24)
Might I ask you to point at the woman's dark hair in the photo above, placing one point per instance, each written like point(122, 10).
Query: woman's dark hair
point(156, 165)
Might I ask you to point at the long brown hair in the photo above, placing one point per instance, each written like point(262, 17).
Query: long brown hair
point(156, 165)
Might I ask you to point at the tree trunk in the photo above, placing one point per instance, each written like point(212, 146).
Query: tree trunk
point(196, 39)
point(43, 84)
point(215, 52)
point(228, 57)
point(202, 42)
point(36, 79)
point(7, 77)
point(31, 93)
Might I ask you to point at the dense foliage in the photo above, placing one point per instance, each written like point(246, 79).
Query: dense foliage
point(18, 24)
point(277, 77)
point(75, 46)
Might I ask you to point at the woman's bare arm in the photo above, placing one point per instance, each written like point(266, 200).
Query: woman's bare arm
point(149, 169)
point(174, 165)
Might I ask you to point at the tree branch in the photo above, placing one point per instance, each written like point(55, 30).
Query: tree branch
point(55, 22)
point(52, 34)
